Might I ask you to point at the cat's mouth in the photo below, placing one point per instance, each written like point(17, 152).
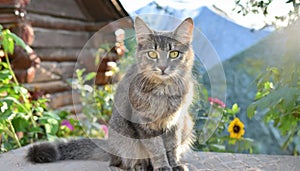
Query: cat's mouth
point(163, 73)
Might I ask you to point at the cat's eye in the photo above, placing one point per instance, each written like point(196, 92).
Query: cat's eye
point(152, 54)
point(174, 54)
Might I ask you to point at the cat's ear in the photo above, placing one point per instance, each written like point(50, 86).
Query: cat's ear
point(184, 32)
point(142, 31)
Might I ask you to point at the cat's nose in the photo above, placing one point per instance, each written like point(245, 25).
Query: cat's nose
point(162, 68)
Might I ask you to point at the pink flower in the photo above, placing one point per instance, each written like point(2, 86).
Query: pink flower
point(105, 130)
point(217, 102)
point(67, 124)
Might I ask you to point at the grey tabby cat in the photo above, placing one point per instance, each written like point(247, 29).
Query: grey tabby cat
point(150, 127)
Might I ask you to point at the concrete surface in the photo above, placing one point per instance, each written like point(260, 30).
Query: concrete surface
point(202, 161)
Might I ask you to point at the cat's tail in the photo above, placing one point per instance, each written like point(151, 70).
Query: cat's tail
point(77, 149)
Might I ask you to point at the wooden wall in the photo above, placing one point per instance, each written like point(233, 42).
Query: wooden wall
point(60, 29)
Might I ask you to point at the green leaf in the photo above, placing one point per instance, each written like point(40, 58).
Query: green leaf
point(276, 121)
point(3, 107)
point(235, 108)
point(3, 125)
point(21, 90)
point(269, 116)
point(63, 114)
point(50, 123)
point(11, 100)
point(35, 130)
point(51, 115)
point(52, 126)
point(20, 124)
point(5, 111)
point(4, 65)
point(18, 40)
point(5, 75)
point(258, 95)
point(218, 147)
point(39, 109)
point(287, 95)
point(90, 76)
point(251, 110)
point(232, 141)
point(79, 72)
point(7, 42)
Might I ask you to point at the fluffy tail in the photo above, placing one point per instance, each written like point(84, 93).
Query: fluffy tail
point(78, 149)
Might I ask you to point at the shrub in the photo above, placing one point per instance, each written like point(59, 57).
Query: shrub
point(24, 120)
point(278, 102)
point(228, 136)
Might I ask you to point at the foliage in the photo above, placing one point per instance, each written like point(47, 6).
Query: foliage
point(219, 141)
point(14, 103)
point(212, 118)
point(97, 102)
point(22, 120)
point(278, 100)
point(246, 7)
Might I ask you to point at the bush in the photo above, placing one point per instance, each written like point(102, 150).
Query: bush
point(97, 102)
point(219, 140)
point(277, 101)
point(24, 120)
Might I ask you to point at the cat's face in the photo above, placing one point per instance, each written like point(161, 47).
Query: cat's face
point(163, 55)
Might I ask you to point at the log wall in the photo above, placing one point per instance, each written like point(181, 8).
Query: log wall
point(60, 29)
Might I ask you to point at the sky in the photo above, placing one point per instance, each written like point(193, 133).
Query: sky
point(277, 7)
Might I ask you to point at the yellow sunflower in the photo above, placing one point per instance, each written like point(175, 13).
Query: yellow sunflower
point(236, 129)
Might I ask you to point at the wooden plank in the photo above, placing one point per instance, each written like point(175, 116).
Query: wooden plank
point(43, 75)
point(105, 36)
point(62, 69)
point(48, 87)
point(63, 54)
point(57, 54)
point(11, 3)
point(59, 38)
point(48, 38)
point(9, 18)
point(86, 55)
point(45, 21)
point(65, 98)
point(59, 8)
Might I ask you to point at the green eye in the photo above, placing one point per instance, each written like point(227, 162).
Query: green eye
point(152, 54)
point(173, 54)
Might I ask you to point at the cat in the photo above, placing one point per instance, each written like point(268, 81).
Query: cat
point(150, 127)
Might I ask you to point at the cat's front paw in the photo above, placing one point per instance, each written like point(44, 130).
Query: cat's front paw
point(180, 168)
point(165, 168)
